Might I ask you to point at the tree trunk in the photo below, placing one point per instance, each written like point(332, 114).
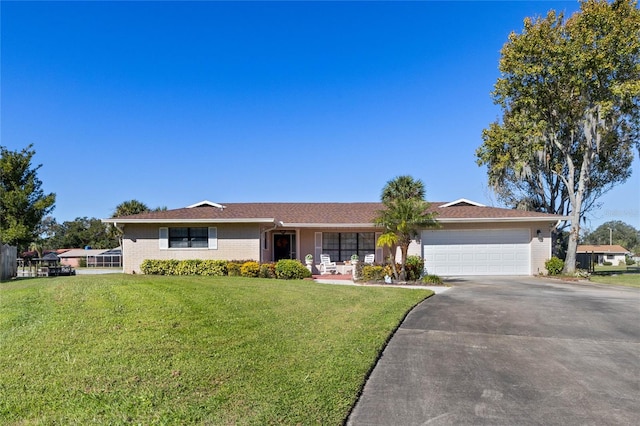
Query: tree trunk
point(392, 257)
point(572, 247)
point(403, 258)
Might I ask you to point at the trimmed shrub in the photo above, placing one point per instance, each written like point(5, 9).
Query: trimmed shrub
point(184, 267)
point(414, 267)
point(554, 265)
point(289, 269)
point(372, 273)
point(250, 269)
point(607, 264)
point(432, 279)
point(188, 267)
point(629, 261)
point(267, 270)
point(214, 268)
point(159, 267)
point(150, 267)
point(171, 267)
point(233, 269)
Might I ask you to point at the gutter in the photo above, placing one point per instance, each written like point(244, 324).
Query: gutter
point(503, 219)
point(329, 225)
point(142, 221)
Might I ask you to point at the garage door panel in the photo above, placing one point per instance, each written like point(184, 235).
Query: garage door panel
point(494, 257)
point(477, 252)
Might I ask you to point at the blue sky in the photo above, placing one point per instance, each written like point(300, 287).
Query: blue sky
point(171, 103)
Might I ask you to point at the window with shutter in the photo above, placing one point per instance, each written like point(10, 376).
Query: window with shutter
point(163, 238)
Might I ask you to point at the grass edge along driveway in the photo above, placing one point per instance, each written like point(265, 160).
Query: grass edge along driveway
point(623, 279)
point(125, 349)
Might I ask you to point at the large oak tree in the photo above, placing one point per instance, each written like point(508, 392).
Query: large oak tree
point(569, 91)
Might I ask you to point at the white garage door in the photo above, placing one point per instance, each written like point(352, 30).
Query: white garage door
point(477, 252)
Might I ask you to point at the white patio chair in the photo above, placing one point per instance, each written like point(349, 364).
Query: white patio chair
point(369, 259)
point(326, 265)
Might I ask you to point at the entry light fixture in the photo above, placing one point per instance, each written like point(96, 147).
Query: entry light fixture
point(539, 234)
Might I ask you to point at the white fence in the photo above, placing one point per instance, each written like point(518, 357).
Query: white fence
point(8, 262)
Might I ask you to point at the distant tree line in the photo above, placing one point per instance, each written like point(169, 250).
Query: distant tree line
point(615, 232)
point(84, 231)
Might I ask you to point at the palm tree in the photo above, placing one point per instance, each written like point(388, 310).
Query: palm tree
point(130, 207)
point(403, 187)
point(37, 247)
point(405, 214)
point(126, 208)
point(390, 240)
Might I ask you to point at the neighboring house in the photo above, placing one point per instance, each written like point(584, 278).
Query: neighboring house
point(473, 239)
point(91, 257)
point(603, 253)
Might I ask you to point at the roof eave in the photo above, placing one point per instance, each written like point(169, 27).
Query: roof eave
point(328, 225)
point(500, 219)
point(182, 220)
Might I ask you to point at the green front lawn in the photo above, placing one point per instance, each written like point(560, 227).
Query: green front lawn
point(610, 269)
point(629, 279)
point(122, 349)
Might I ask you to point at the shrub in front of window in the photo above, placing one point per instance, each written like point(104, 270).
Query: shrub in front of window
point(267, 270)
point(188, 267)
point(171, 267)
point(554, 265)
point(213, 268)
point(159, 267)
point(289, 269)
point(414, 267)
point(250, 269)
point(372, 273)
point(184, 267)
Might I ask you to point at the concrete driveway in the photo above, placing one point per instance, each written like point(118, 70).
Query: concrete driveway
point(511, 351)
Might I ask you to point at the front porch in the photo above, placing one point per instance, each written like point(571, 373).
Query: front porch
point(342, 268)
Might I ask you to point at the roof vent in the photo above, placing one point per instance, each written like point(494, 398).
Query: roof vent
point(462, 202)
point(207, 203)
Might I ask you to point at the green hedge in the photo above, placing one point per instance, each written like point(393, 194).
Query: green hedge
point(285, 269)
point(184, 267)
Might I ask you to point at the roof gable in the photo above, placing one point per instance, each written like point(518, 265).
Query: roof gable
point(206, 203)
point(462, 202)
